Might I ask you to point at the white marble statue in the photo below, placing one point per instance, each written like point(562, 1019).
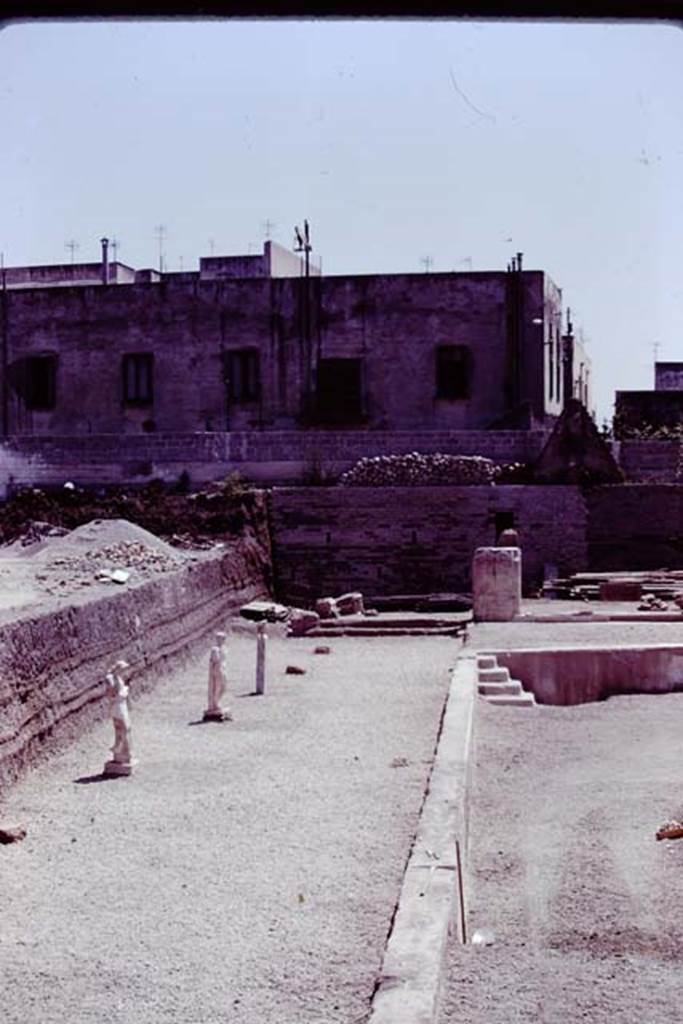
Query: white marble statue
point(122, 761)
point(218, 681)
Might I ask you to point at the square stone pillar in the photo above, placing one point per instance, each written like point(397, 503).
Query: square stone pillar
point(497, 584)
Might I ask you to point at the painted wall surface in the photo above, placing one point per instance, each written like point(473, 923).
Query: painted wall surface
point(392, 323)
point(413, 540)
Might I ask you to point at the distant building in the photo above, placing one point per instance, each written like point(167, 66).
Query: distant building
point(643, 413)
point(253, 342)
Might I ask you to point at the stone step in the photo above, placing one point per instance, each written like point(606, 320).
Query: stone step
point(522, 700)
point(512, 686)
point(499, 674)
point(379, 631)
point(486, 661)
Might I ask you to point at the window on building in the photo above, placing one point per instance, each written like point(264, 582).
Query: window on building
point(339, 391)
point(242, 374)
point(138, 378)
point(41, 376)
point(453, 371)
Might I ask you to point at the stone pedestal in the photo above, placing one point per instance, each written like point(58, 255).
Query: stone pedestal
point(216, 715)
point(497, 584)
point(119, 767)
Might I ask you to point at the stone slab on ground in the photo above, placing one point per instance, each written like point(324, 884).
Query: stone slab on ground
point(248, 871)
point(582, 900)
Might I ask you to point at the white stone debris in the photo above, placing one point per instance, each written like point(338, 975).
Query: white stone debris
point(416, 470)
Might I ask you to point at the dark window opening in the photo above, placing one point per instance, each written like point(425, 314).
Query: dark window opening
point(339, 391)
point(242, 374)
point(504, 521)
point(41, 375)
point(138, 378)
point(453, 371)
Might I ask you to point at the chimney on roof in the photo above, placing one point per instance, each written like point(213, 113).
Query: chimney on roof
point(519, 261)
point(105, 260)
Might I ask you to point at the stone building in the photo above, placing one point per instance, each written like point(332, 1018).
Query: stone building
point(643, 413)
point(255, 343)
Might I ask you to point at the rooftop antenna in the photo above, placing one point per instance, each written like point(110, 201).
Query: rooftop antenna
point(72, 245)
point(115, 248)
point(212, 246)
point(268, 227)
point(302, 243)
point(427, 262)
point(160, 232)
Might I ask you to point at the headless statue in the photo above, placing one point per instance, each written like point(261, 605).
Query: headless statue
point(218, 681)
point(122, 761)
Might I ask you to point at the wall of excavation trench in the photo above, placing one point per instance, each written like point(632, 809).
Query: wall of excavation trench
point(52, 665)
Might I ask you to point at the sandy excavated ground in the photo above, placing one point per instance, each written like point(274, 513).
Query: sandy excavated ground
point(59, 567)
point(248, 872)
point(564, 866)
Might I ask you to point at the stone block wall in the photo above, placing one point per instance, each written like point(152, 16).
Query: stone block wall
point(635, 526)
point(656, 461)
point(278, 457)
point(408, 540)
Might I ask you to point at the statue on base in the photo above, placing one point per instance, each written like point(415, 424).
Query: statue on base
point(122, 761)
point(218, 681)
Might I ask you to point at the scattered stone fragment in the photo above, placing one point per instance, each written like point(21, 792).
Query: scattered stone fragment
point(322, 650)
point(670, 830)
point(271, 611)
point(400, 762)
point(350, 604)
point(11, 835)
point(326, 608)
point(302, 621)
point(295, 670)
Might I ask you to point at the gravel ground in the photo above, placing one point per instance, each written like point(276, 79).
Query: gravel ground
point(564, 866)
point(247, 873)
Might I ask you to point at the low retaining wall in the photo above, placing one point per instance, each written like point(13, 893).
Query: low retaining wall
point(264, 456)
point(415, 540)
point(52, 666)
point(579, 675)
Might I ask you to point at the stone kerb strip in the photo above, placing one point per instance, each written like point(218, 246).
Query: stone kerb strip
point(409, 984)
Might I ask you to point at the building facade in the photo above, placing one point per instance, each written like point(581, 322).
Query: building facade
point(256, 343)
point(652, 413)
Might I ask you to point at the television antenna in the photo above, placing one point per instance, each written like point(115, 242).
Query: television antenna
point(72, 245)
point(160, 232)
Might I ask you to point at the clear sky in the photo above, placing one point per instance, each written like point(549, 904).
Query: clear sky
point(454, 141)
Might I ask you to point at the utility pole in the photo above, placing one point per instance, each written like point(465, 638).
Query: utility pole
point(5, 353)
point(303, 244)
point(160, 232)
point(72, 245)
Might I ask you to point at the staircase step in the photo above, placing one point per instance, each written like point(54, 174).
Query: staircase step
point(486, 661)
point(512, 686)
point(499, 674)
point(523, 700)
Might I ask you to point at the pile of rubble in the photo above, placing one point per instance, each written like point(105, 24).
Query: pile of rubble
point(302, 620)
point(416, 470)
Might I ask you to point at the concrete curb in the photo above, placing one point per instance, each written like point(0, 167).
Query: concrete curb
point(409, 984)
